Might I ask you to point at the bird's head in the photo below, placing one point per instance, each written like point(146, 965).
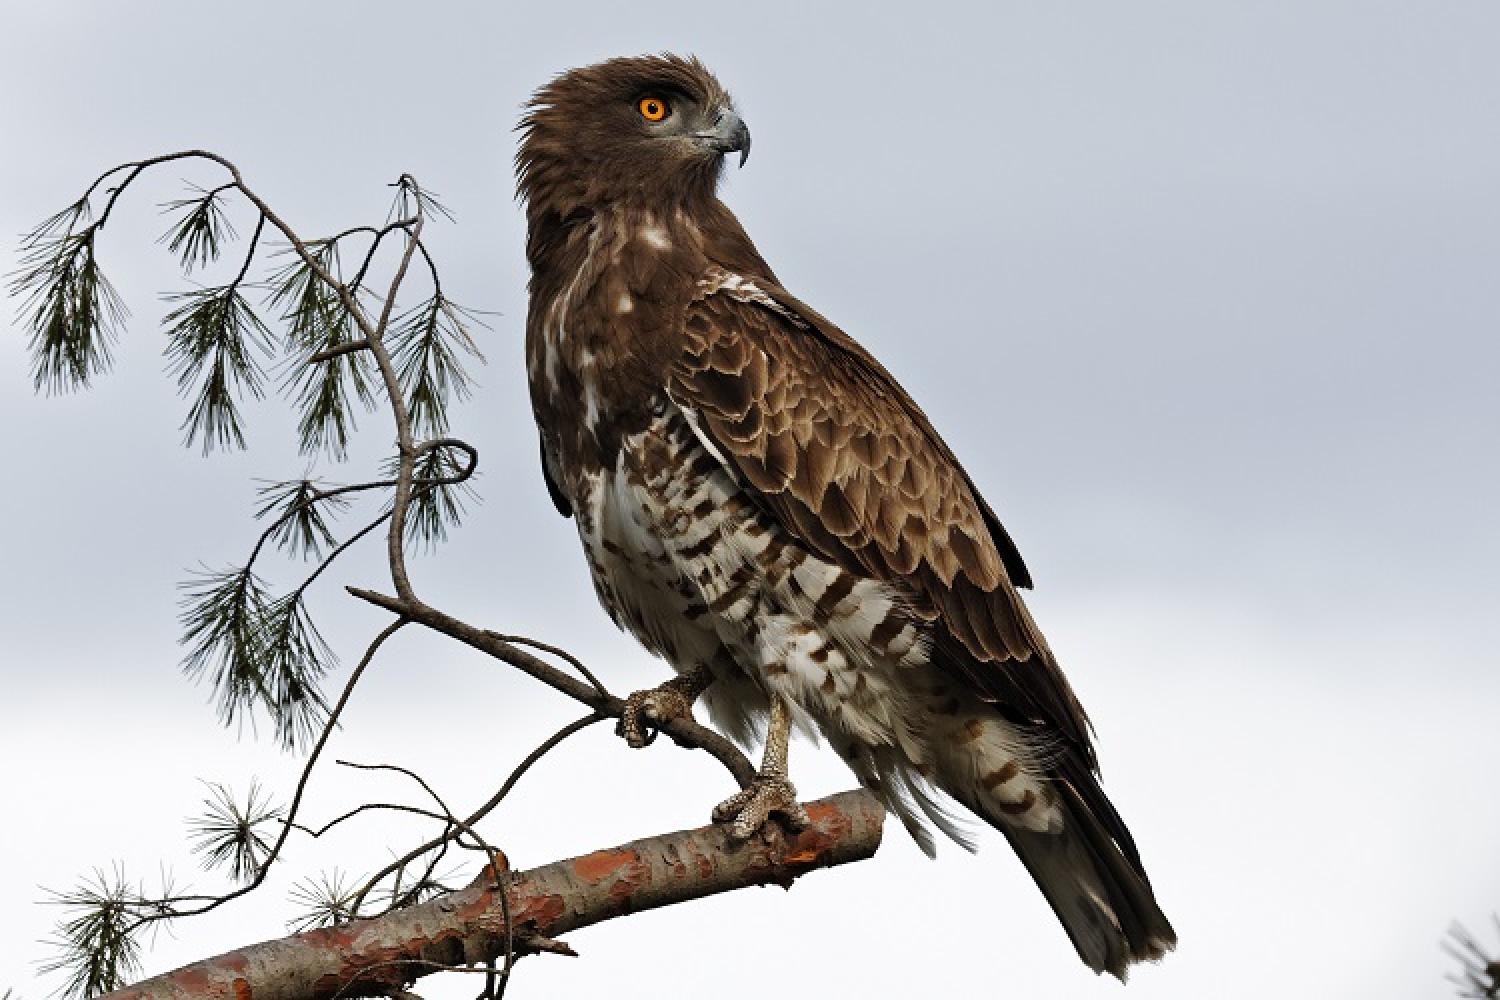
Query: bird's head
point(653, 127)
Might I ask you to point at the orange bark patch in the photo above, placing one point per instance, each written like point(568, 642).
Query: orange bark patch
point(339, 938)
point(194, 979)
point(629, 882)
point(540, 911)
point(241, 989)
point(479, 905)
point(492, 871)
point(829, 825)
point(595, 868)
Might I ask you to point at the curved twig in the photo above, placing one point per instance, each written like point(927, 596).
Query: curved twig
point(537, 754)
point(560, 653)
point(684, 731)
point(307, 769)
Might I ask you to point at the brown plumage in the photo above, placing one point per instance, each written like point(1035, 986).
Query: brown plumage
point(765, 507)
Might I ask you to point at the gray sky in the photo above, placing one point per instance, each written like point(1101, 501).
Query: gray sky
point(1205, 295)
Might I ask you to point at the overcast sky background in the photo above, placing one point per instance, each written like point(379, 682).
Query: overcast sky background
point(1205, 295)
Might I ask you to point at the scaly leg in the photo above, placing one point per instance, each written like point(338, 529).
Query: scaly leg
point(771, 792)
point(660, 704)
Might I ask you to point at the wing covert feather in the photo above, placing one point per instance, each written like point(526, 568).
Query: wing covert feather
point(832, 446)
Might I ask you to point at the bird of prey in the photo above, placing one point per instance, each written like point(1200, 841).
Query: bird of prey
point(764, 507)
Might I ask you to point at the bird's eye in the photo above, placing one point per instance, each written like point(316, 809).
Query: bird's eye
point(653, 109)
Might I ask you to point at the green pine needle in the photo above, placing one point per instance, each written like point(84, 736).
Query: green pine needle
point(412, 198)
point(221, 617)
point(301, 515)
point(427, 346)
point(61, 223)
point(197, 236)
point(316, 321)
point(326, 901)
point(435, 506)
point(97, 947)
point(72, 310)
point(260, 652)
point(425, 887)
point(296, 658)
point(213, 339)
point(228, 835)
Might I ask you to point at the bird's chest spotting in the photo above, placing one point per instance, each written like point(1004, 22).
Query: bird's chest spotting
point(685, 560)
point(638, 518)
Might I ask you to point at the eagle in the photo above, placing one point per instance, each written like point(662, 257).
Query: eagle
point(764, 507)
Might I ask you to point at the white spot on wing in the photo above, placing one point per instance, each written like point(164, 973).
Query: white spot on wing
point(703, 439)
point(739, 287)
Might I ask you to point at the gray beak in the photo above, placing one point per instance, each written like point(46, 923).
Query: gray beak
point(728, 134)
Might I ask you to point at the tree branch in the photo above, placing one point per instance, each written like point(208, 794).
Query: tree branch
point(376, 957)
point(685, 732)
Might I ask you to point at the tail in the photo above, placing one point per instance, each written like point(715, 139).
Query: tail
point(1088, 869)
point(1041, 792)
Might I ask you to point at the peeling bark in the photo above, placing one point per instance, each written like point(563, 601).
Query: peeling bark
point(377, 957)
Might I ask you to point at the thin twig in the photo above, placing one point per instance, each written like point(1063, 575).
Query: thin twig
point(357, 810)
point(496, 858)
point(406, 448)
point(307, 769)
point(684, 731)
point(541, 751)
point(560, 653)
point(339, 350)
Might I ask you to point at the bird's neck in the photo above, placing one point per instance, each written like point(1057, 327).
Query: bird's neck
point(698, 232)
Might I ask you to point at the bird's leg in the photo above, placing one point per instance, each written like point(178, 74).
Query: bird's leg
point(771, 791)
point(660, 704)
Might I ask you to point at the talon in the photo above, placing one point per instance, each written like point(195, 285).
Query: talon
point(646, 711)
point(748, 810)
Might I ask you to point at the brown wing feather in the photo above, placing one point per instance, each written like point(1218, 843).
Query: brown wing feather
point(832, 446)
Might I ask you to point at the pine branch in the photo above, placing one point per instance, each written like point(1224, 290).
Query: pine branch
point(390, 951)
point(299, 510)
point(427, 343)
point(213, 337)
point(413, 200)
point(203, 228)
point(229, 834)
point(441, 490)
point(72, 310)
point(318, 320)
point(96, 946)
point(257, 650)
point(324, 901)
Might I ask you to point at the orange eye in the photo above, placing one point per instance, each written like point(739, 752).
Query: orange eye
point(653, 109)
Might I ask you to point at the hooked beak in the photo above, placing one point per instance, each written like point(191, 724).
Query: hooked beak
point(727, 135)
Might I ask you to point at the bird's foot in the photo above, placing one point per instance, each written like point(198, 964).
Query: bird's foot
point(748, 811)
point(646, 711)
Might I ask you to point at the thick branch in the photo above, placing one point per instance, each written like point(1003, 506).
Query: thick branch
point(376, 957)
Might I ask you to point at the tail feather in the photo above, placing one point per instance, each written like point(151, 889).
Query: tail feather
point(1042, 793)
point(1092, 878)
